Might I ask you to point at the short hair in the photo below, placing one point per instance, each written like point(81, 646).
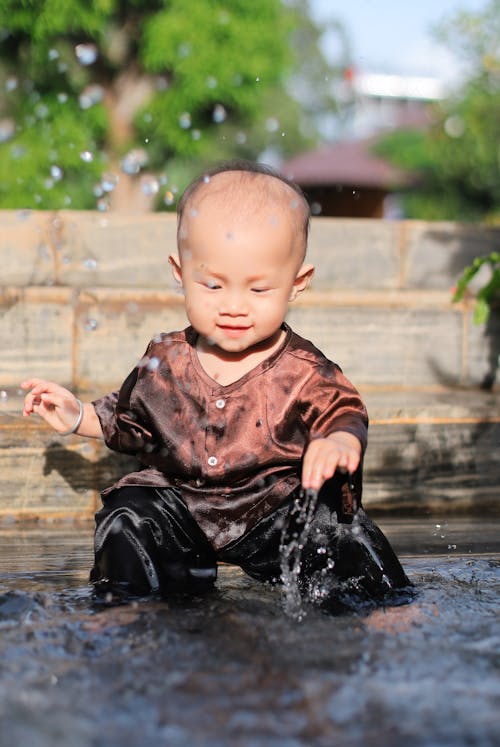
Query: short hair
point(245, 166)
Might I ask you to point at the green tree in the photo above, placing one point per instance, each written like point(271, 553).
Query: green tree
point(458, 158)
point(97, 98)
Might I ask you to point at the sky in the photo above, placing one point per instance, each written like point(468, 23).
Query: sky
point(394, 36)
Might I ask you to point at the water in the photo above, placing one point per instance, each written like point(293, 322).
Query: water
point(230, 669)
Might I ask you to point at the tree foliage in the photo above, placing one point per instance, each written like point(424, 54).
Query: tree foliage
point(130, 88)
point(458, 158)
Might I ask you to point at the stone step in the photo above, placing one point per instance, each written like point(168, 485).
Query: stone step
point(90, 339)
point(88, 249)
point(432, 453)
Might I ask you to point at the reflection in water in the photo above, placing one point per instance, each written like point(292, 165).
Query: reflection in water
point(230, 668)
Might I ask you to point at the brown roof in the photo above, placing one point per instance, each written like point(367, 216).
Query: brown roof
point(348, 163)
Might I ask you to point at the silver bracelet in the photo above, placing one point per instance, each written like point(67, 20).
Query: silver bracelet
point(77, 421)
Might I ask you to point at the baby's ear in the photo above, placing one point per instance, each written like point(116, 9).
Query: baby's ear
point(302, 281)
point(175, 264)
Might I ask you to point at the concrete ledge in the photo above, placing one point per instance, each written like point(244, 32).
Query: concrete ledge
point(83, 249)
point(428, 453)
point(90, 338)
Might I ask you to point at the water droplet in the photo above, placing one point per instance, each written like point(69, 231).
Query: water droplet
point(7, 129)
point(62, 97)
point(109, 181)
point(3, 396)
point(219, 113)
point(316, 208)
point(206, 179)
point(91, 95)
point(168, 197)
point(102, 205)
point(56, 173)
point(454, 126)
point(272, 124)
point(53, 54)
point(91, 325)
point(87, 156)
point(161, 83)
point(211, 82)
point(134, 161)
point(153, 363)
point(257, 80)
point(11, 84)
point(184, 50)
point(149, 185)
point(241, 138)
point(196, 134)
point(185, 120)
point(90, 263)
point(86, 54)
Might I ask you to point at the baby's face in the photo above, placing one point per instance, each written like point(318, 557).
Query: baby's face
point(238, 272)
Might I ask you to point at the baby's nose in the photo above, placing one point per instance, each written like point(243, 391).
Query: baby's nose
point(234, 304)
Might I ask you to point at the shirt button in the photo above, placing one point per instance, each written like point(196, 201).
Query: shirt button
point(212, 461)
point(220, 403)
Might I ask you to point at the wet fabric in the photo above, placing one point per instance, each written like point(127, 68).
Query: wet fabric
point(234, 452)
point(147, 541)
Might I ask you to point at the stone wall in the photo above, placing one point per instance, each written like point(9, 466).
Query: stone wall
point(82, 293)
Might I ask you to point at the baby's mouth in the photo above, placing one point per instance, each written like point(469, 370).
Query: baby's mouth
point(233, 330)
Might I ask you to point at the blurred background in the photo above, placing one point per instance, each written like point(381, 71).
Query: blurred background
point(375, 109)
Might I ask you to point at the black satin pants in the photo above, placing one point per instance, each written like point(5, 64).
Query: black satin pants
point(146, 541)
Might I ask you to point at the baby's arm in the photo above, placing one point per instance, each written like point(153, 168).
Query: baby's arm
point(60, 408)
point(324, 455)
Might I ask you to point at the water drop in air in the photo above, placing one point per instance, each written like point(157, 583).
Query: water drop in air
point(134, 161)
point(87, 156)
point(185, 120)
point(56, 173)
point(11, 84)
point(86, 54)
point(219, 113)
point(109, 181)
point(102, 205)
point(149, 185)
point(7, 129)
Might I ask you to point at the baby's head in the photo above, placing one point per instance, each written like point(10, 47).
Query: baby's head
point(246, 188)
point(242, 237)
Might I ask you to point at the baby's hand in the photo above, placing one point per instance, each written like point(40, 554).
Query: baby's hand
point(55, 404)
point(324, 456)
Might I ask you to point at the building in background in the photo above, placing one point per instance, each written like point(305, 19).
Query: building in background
point(344, 177)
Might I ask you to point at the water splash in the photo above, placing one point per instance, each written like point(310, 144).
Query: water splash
point(293, 538)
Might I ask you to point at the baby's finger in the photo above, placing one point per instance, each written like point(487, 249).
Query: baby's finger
point(352, 462)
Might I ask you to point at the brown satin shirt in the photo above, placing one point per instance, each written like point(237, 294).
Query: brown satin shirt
point(234, 452)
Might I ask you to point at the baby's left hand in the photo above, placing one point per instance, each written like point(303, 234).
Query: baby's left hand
point(324, 456)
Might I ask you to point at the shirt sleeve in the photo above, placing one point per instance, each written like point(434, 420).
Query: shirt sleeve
point(330, 403)
point(123, 424)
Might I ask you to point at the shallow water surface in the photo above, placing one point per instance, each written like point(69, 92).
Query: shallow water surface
point(231, 669)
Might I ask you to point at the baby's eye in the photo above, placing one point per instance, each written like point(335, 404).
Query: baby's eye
point(259, 290)
point(211, 284)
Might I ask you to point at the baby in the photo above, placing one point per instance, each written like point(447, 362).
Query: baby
point(232, 418)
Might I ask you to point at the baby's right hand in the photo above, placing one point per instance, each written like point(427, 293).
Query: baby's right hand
point(55, 404)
